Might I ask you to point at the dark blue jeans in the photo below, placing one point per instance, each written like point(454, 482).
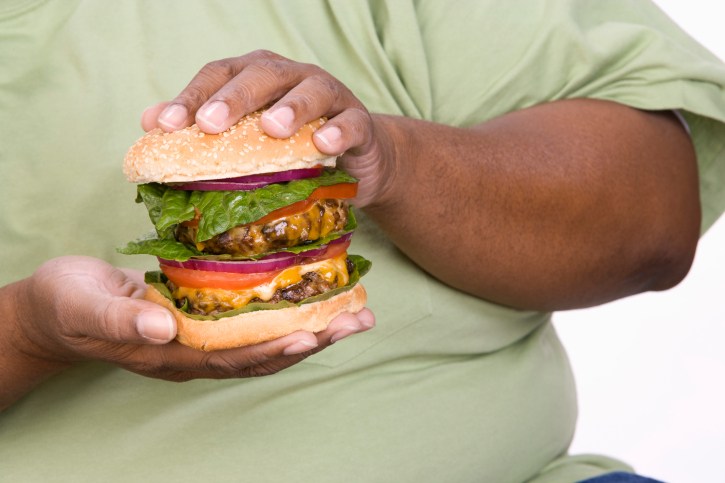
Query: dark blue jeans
point(620, 477)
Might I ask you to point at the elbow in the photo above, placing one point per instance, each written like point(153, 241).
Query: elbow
point(669, 263)
point(671, 270)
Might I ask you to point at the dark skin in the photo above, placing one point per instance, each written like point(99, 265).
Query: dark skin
point(566, 204)
point(563, 205)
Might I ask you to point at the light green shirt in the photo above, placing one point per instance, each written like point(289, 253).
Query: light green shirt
point(447, 387)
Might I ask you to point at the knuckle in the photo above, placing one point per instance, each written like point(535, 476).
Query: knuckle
point(224, 68)
point(261, 54)
point(193, 95)
point(122, 284)
point(300, 101)
point(241, 91)
point(270, 69)
point(361, 121)
point(336, 89)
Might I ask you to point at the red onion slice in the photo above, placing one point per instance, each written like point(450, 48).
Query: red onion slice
point(317, 252)
point(270, 263)
point(279, 176)
point(248, 183)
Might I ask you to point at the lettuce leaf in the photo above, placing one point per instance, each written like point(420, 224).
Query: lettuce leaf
point(222, 210)
point(171, 249)
point(158, 280)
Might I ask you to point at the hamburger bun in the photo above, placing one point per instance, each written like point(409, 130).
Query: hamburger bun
point(192, 155)
point(261, 326)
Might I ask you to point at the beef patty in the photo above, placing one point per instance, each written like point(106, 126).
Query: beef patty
point(322, 218)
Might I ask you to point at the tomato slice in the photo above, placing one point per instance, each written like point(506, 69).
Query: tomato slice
point(340, 191)
point(337, 191)
point(289, 210)
point(186, 277)
point(333, 250)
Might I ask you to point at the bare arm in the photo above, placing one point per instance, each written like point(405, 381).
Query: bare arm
point(567, 204)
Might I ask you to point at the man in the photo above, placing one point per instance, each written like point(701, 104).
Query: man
point(533, 164)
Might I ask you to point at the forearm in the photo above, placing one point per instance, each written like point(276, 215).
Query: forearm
point(563, 205)
point(19, 371)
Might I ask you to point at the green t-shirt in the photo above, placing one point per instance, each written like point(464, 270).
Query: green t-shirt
point(447, 387)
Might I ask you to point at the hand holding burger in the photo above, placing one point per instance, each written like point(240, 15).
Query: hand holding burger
point(251, 233)
point(82, 309)
point(209, 110)
point(297, 93)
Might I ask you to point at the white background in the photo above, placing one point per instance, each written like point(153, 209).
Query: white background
point(650, 369)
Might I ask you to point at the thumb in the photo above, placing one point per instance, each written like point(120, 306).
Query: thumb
point(72, 299)
point(124, 320)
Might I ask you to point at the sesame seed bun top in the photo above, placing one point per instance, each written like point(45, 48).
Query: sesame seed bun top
point(190, 154)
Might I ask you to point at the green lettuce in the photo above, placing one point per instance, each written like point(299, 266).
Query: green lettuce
point(221, 211)
point(171, 249)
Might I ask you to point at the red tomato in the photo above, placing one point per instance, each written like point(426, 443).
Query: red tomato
point(340, 191)
point(331, 252)
point(336, 191)
point(289, 210)
point(186, 277)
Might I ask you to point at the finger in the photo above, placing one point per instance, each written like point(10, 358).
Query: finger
point(178, 362)
point(150, 116)
point(351, 129)
point(122, 320)
point(315, 96)
point(345, 325)
point(109, 308)
point(179, 113)
point(135, 276)
point(367, 318)
point(264, 78)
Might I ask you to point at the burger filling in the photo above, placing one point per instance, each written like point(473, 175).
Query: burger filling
point(293, 284)
point(322, 218)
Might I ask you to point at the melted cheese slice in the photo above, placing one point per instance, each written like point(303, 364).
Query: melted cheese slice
point(332, 270)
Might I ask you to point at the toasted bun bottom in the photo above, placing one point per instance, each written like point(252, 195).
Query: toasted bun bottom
point(261, 326)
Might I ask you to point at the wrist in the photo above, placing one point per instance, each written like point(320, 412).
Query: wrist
point(22, 362)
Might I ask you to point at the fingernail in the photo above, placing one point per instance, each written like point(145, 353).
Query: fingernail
point(215, 114)
point(367, 321)
point(330, 136)
point(282, 117)
point(155, 325)
point(345, 331)
point(299, 347)
point(173, 117)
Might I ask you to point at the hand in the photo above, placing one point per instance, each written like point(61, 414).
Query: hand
point(80, 308)
point(225, 90)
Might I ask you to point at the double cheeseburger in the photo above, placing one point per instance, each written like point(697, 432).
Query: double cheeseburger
point(251, 233)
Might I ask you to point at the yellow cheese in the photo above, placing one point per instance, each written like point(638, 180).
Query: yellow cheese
point(218, 300)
